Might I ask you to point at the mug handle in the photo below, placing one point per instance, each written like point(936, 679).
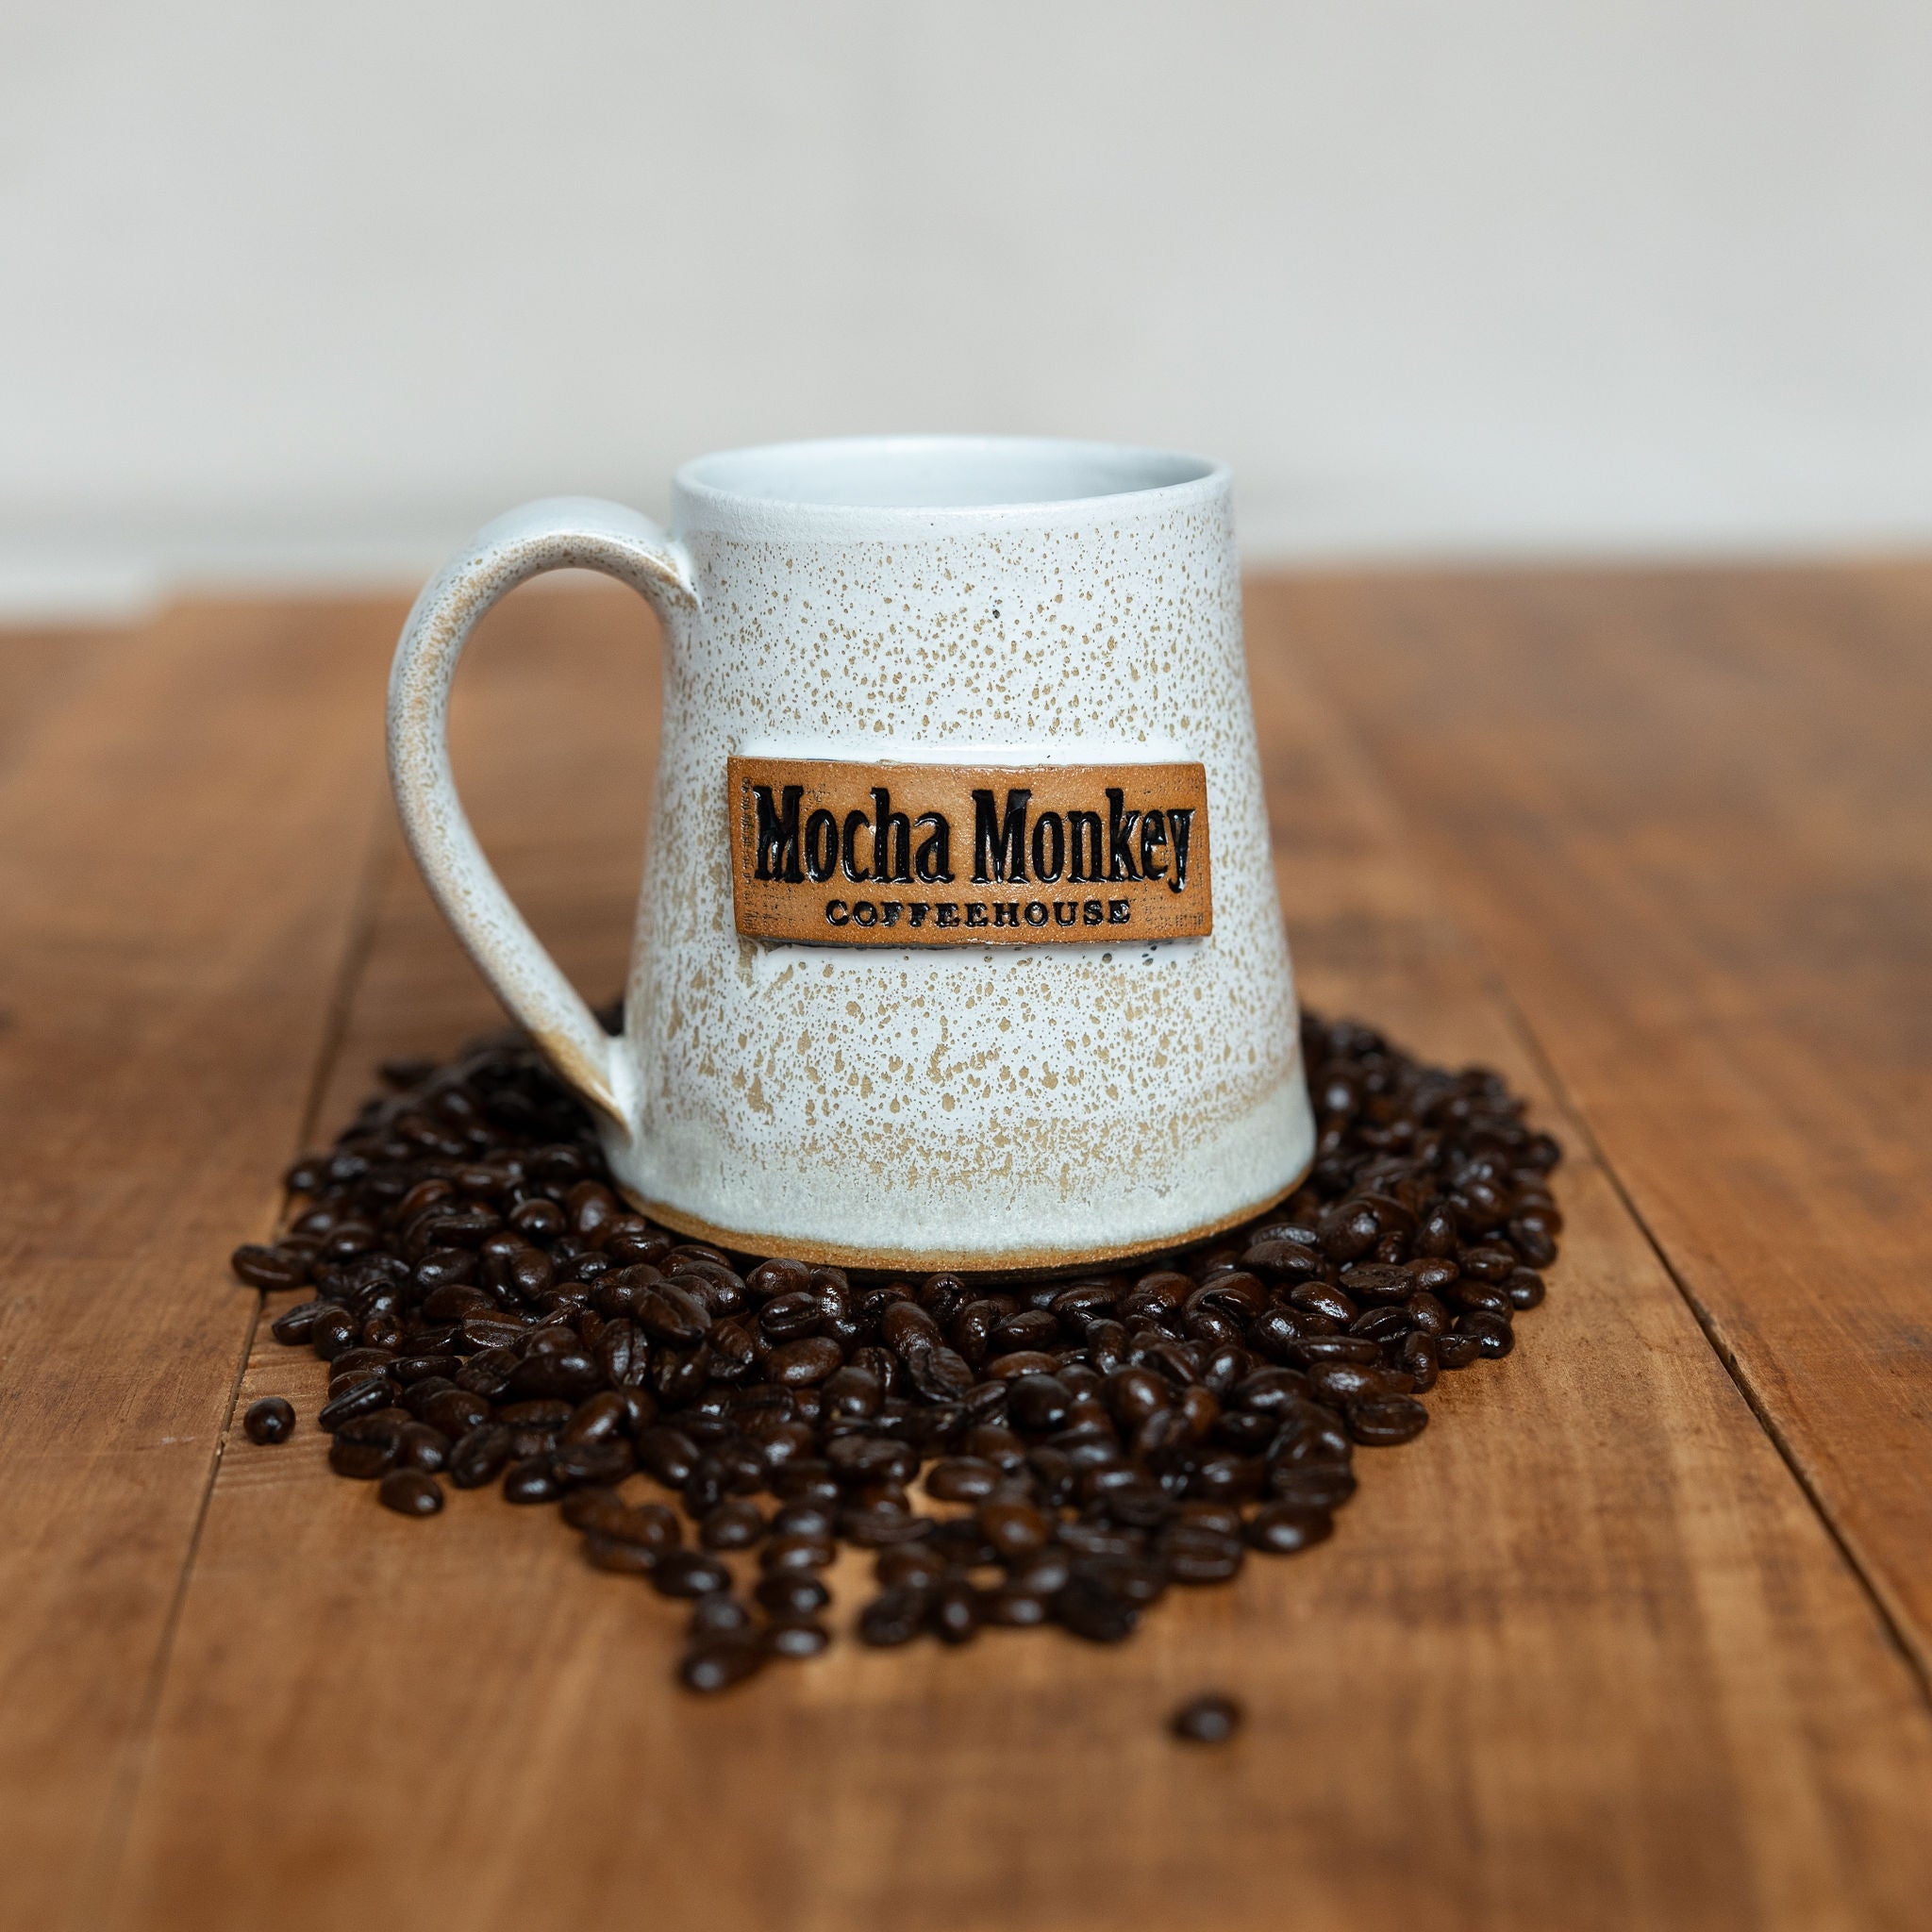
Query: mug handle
point(560, 533)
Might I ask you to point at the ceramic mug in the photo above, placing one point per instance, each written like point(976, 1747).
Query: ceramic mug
point(959, 944)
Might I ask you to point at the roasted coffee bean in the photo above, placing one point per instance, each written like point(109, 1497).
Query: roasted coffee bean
point(1386, 1420)
point(619, 1554)
point(1484, 1297)
point(872, 1458)
point(1209, 1719)
point(912, 1563)
point(667, 1453)
point(732, 1526)
point(530, 1481)
point(270, 1420)
point(296, 1326)
point(717, 1614)
point(1459, 1348)
point(894, 1616)
point(361, 1461)
point(798, 1364)
point(953, 1613)
point(815, 1520)
point(479, 1457)
point(1193, 1554)
point(455, 1411)
point(873, 1527)
point(1492, 1330)
point(1525, 1287)
point(1283, 1527)
point(1037, 1403)
point(419, 1446)
point(791, 1593)
point(1093, 1610)
point(689, 1573)
point(796, 1553)
point(270, 1268)
point(717, 1662)
point(1014, 1529)
point(591, 1507)
point(795, 1637)
point(963, 1479)
point(608, 1462)
point(410, 1492)
point(1494, 1264)
point(335, 1332)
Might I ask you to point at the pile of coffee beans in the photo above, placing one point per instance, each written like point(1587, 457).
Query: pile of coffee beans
point(719, 1424)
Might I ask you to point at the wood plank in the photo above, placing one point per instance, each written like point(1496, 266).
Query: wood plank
point(1580, 1657)
point(1689, 813)
point(179, 852)
point(40, 670)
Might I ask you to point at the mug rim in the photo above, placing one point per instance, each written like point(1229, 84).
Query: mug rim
point(722, 491)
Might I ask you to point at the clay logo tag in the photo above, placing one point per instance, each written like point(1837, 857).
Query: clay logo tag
point(863, 854)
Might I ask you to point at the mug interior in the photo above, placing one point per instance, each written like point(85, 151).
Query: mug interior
point(938, 472)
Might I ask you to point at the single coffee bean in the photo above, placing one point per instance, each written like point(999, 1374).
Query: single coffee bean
point(1209, 1719)
point(419, 1447)
point(363, 1398)
point(734, 1524)
point(667, 1453)
point(961, 1479)
point(270, 1420)
point(361, 1461)
point(909, 1563)
point(1283, 1527)
point(717, 1662)
point(334, 1333)
point(689, 1573)
point(1014, 1529)
point(894, 1616)
point(410, 1492)
point(618, 1554)
point(1312, 1485)
point(296, 1326)
point(1526, 1288)
point(1037, 1403)
point(795, 1637)
point(478, 1458)
point(1092, 1609)
point(791, 1593)
point(1199, 1555)
point(814, 1520)
point(717, 1615)
point(270, 1268)
point(955, 1613)
point(1383, 1421)
point(530, 1481)
point(609, 1460)
point(1492, 1330)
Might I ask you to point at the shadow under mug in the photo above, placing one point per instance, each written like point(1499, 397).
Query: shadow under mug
point(959, 944)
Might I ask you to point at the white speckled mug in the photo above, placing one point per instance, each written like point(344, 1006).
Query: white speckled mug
point(959, 944)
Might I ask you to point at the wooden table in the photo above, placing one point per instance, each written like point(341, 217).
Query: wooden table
point(1639, 1635)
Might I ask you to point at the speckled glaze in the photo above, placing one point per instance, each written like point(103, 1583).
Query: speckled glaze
point(994, 600)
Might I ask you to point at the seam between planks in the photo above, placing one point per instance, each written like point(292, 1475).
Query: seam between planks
point(110, 1841)
point(1916, 1665)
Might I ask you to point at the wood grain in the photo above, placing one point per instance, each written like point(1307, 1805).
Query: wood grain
point(1583, 1656)
point(180, 853)
point(1691, 815)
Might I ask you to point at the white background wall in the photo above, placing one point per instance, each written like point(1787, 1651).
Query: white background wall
point(308, 290)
